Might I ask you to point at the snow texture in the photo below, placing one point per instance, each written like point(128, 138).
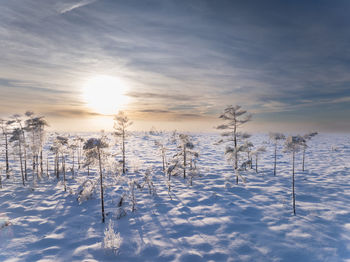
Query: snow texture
point(213, 220)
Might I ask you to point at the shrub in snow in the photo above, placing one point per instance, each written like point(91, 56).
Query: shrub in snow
point(307, 137)
point(275, 137)
point(132, 183)
point(121, 124)
point(235, 117)
point(247, 148)
point(86, 190)
point(147, 180)
point(292, 145)
point(96, 148)
point(112, 240)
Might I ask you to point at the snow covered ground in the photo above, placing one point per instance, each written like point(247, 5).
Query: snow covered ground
point(213, 220)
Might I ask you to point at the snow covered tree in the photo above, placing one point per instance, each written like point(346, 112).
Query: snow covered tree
point(18, 120)
point(97, 146)
point(235, 117)
point(162, 149)
point(292, 145)
point(256, 153)
point(247, 147)
point(147, 180)
point(182, 160)
point(5, 125)
point(35, 126)
point(16, 138)
point(61, 144)
point(73, 147)
point(307, 137)
point(121, 124)
point(276, 137)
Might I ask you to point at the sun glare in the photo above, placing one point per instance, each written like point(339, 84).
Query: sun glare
point(105, 94)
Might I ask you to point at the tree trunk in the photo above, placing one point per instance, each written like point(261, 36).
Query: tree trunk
point(101, 182)
point(304, 159)
point(274, 166)
point(7, 157)
point(256, 163)
point(41, 163)
point(64, 172)
point(123, 149)
point(73, 166)
point(20, 160)
point(293, 184)
point(47, 165)
point(185, 161)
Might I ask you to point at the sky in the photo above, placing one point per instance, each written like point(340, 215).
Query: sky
point(176, 64)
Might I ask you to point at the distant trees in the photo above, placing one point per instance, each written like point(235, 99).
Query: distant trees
point(96, 148)
point(121, 124)
point(235, 117)
point(276, 137)
point(292, 145)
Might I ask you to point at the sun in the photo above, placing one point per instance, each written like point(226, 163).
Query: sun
point(105, 94)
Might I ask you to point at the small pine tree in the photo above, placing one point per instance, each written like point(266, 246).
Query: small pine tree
point(234, 117)
point(17, 139)
point(4, 124)
point(97, 146)
point(257, 153)
point(307, 137)
point(292, 145)
point(275, 137)
point(121, 125)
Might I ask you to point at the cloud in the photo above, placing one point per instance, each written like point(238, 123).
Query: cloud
point(189, 58)
point(69, 6)
point(146, 95)
point(72, 113)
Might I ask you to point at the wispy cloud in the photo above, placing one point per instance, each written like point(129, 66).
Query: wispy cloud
point(67, 7)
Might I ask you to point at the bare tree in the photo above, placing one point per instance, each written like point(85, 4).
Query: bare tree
point(275, 137)
point(235, 117)
point(307, 137)
point(121, 124)
point(97, 145)
point(292, 145)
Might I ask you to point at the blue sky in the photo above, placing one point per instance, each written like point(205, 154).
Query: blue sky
point(287, 62)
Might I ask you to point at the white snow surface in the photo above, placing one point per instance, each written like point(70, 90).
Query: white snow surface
point(212, 220)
